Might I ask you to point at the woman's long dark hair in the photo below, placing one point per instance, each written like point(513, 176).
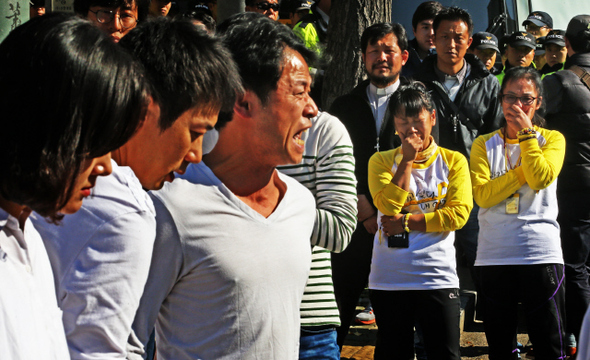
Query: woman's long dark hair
point(67, 94)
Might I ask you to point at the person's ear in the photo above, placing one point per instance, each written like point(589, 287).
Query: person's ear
point(405, 56)
point(245, 105)
point(152, 114)
point(433, 117)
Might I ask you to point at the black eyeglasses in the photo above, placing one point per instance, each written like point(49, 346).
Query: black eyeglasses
point(511, 99)
point(127, 21)
point(263, 5)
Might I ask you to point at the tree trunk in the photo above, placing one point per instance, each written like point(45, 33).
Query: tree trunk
point(348, 20)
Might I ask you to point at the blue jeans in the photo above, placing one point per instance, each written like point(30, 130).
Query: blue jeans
point(318, 344)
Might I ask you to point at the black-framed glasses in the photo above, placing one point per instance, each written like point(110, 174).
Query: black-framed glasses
point(264, 6)
point(127, 21)
point(511, 99)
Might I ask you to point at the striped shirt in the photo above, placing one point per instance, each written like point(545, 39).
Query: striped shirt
point(327, 170)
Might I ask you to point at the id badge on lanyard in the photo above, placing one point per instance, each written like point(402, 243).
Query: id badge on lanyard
point(512, 204)
point(513, 201)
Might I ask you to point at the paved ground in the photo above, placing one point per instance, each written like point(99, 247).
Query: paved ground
point(360, 344)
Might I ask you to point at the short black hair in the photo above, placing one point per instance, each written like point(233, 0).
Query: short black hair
point(410, 100)
point(376, 32)
point(581, 42)
point(185, 67)
point(426, 11)
point(453, 13)
point(257, 44)
point(81, 7)
point(526, 73)
point(68, 96)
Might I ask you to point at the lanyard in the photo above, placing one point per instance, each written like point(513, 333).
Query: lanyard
point(508, 163)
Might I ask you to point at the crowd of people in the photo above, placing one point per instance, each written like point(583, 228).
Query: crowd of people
point(171, 190)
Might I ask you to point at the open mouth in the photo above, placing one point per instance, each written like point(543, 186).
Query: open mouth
point(297, 137)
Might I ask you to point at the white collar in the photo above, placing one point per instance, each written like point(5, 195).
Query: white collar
point(374, 90)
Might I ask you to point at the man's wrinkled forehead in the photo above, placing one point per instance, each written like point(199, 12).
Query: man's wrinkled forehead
point(373, 41)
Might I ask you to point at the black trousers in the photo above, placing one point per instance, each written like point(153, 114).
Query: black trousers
point(540, 290)
point(436, 311)
point(350, 274)
point(574, 221)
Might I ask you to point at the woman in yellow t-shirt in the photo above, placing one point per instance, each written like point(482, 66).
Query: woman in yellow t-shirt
point(519, 257)
point(423, 194)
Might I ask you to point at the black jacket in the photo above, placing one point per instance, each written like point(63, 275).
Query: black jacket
point(567, 102)
point(413, 63)
point(480, 111)
point(354, 110)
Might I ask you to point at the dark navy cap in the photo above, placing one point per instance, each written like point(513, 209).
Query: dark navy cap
point(302, 5)
point(484, 40)
point(521, 38)
point(556, 37)
point(539, 18)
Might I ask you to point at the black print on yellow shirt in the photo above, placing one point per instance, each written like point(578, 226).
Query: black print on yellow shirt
point(428, 200)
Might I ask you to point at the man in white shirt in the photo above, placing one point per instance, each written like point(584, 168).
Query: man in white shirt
point(233, 233)
point(101, 255)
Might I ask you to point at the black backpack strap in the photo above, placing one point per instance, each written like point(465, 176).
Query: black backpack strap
point(457, 112)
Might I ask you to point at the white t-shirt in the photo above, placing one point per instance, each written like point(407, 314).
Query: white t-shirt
point(529, 237)
point(429, 261)
point(101, 256)
point(225, 282)
point(30, 321)
point(327, 170)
